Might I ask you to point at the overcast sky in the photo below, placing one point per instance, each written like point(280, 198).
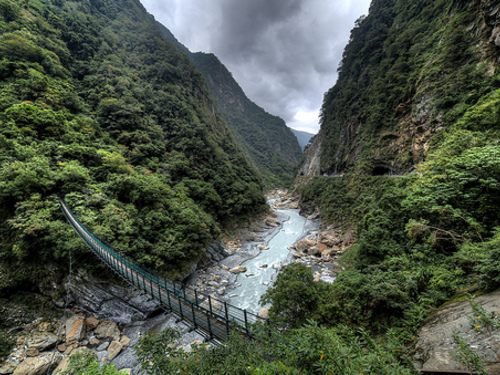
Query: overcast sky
point(283, 53)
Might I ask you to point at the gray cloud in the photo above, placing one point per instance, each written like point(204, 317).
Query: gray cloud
point(284, 53)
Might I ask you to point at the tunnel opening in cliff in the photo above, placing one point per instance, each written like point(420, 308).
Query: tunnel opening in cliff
point(380, 171)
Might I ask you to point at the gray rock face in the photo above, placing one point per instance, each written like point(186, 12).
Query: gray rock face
point(312, 155)
point(103, 299)
point(435, 346)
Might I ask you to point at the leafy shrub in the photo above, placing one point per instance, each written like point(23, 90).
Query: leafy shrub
point(6, 344)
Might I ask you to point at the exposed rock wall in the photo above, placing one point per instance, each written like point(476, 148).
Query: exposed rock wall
point(103, 298)
point(435, 345)
point(312, 157)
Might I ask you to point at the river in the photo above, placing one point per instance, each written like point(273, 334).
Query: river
point(262, 269)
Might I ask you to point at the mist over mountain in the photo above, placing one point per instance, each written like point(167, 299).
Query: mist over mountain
point(303, 137)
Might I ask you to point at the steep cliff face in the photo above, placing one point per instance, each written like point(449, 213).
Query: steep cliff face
point(269, 144)
point(410, 70)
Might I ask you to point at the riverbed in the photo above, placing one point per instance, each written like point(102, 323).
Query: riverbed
point(262, 270)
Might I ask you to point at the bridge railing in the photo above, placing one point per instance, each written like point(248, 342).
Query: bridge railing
point(216, 317)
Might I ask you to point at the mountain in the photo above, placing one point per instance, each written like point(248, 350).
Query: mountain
point(269, 144)
point(304, 138)
point(399, 87)
point(411, 133)
point(99, 108)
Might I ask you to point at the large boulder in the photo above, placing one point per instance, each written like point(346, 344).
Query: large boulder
point(238, 269)
point(75, 328)
point(8, 367)
point(41, 341)
point(102, 298)
point(305, 244)
point(114, 349)
point(107, 330)
point(40, 365)
point(435, 346)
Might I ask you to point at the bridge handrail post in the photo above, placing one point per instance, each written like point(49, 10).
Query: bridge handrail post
point(227, 318)
point(210, 305)
point(168, 298)
point(209, 326)
point(194, 315)
point(246, 321)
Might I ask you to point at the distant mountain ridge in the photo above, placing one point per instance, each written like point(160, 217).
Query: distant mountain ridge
point(304, 138)
point(268, 143)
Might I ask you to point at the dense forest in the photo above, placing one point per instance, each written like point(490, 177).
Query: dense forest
point(98, 108)
point(268, 143)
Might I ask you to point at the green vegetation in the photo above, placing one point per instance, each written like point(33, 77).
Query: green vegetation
point(268, 143)
point(307, 350)
point(6, 344)
point(96, 106)
point(421, 239)
point(87, 363)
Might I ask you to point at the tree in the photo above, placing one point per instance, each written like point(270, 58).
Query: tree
point(294, 296)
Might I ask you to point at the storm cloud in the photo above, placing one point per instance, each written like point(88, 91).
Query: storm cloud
point(283, 53)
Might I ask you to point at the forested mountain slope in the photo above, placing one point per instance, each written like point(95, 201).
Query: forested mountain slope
point(404, 80)
point(418, 90)
point(269, 144)
point(96, 106)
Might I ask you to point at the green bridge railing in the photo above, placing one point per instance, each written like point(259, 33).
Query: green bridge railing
point(216, 318)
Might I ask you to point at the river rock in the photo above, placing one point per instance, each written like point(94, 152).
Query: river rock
point(39, 365)
point(124, 340)
point(107, 330)
point(264, 266)
point(238, 269)
point(41, 341)
point(8, 368)
point(272, 222)
point(262, 247)
point(305, 244)
point(46, 327)
point(91, 323)
point(94, 341)
point(103, 346)
point(32, 352)
point(264, 313)
point(114, 349)
point(75, 328)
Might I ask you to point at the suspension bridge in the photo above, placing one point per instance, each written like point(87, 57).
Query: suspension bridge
point(214, 318)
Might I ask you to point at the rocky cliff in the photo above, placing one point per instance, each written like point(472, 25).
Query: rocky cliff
point(404, 80)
